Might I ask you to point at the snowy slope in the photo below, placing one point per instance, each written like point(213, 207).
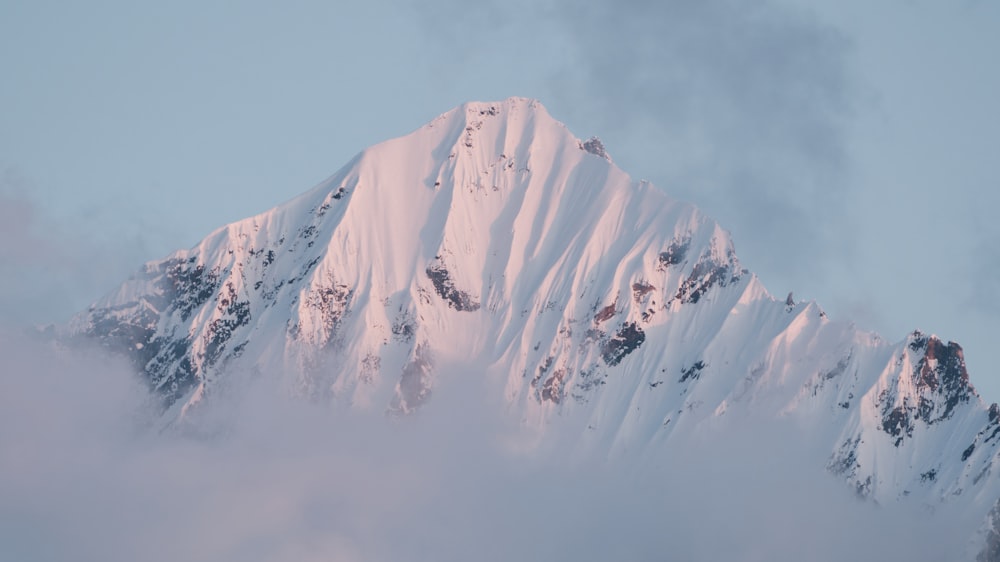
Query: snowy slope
point(493, 240)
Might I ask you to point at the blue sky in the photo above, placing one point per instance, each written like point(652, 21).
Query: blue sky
point(849, 146)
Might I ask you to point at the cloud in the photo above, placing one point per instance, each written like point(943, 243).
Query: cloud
point(20, 243)
point(268, 477)
point(53, 265)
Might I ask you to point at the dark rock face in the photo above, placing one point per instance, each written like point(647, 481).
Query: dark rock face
point(968, 452)
point(845, 460)
point(182, 286)
point(674, 254)
point(943, 382)
point(898, 423)
point(707, 273)
point(640, 290)
point(628, 338)
point(542, 369)
point(693, 372)
point(235, 314)
point(942, 370)
point(130, 336)
point(444, 286)
point(404, 326)
point(594, 146)
point(643, 296)
point(552, 388)
point(186, 286)
point(605, 313)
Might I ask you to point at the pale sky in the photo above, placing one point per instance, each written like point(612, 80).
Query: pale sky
point(849, 146)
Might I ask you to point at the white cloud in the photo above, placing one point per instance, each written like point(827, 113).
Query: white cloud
point(274, 478)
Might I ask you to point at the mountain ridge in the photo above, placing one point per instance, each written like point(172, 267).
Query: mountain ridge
point(602, 309)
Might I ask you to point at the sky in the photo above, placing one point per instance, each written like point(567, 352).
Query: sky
point(849, 146)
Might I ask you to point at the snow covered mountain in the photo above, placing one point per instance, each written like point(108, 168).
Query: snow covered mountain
point(493, 240)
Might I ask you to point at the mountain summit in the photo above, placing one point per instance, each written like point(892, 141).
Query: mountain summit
point(495, 241)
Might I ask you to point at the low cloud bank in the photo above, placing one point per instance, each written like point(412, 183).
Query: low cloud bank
point(83, 476)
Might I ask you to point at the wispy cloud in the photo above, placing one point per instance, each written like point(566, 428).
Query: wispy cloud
point(54, 266)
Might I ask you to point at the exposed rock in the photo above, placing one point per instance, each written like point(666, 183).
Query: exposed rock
point(897, 423)
point(182, 286)
point(942, 382)
point(693, 372)
point(845, 460)
point(605, 313)
point(942, 369)
point(234, 314)
point(674, 254)
point(968, 452)
point(403, 327)
point(628, 339)
point(542, 369)
point(640, 290)
point(552, 388)
point(331, 303)
point(444, 286)
point(187, 286)
point(707, 273)
point(594, 146)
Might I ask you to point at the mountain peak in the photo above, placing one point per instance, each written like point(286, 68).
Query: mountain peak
point(494, 242)
point(493, 130)
point(490, 211)
point(512, 107)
